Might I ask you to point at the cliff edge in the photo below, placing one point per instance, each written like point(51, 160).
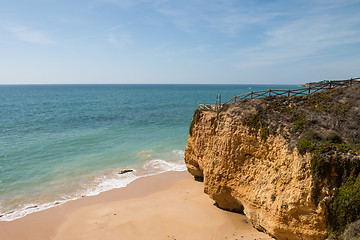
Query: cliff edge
point(287, 163)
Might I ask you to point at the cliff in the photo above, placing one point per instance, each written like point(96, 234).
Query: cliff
point(282, 161)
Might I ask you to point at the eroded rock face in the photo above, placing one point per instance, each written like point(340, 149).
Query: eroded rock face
point(270, 181)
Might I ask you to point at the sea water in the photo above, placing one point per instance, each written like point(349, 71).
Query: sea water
point(63, 142)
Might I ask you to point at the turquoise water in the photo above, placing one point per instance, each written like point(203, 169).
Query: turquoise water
point(62, 142)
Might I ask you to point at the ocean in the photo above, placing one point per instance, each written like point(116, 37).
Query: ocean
point(63, 142)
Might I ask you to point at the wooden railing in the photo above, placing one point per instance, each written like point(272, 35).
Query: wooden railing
point(308, 88)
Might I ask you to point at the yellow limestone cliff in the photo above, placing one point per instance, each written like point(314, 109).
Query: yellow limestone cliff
point(261, 176)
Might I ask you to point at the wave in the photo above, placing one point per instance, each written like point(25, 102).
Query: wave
point(179, 152)
point(160, 166)
point(105, 182)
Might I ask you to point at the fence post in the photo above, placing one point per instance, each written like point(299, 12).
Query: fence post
point(289, 93)
point(218, 102)
point(309, 89)
point(269, 92)
point(351, 81)
point(235, 99)
point(251, 95)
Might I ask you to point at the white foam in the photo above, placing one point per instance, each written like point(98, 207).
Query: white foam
point(27, 209)
point(179, 152)
point(102, 184)
point(106, 183)
point(163, 166)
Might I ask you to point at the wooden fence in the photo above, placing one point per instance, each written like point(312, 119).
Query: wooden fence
point(307, 88)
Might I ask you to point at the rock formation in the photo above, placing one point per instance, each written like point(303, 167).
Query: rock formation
point(250, 160)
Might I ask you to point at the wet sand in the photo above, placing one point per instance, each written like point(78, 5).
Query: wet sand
point(167, 206)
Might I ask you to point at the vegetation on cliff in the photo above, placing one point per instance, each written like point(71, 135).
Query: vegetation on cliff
point(325, 129)
point(344, 207)
point(326, 126)
point(195, 119)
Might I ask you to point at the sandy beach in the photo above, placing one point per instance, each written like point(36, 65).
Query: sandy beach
point(167, 206)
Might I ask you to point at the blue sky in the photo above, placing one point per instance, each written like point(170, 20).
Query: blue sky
point(173, 41)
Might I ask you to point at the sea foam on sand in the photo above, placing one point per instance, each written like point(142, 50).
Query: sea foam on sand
point(103, 183)
point(166, 206)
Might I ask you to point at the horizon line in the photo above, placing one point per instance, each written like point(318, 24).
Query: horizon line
point(18, 84)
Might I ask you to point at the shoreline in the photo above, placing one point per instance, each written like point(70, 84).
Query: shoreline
point(113, 179)
point(169, 205)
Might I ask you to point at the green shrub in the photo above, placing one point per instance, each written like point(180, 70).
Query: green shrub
point(254, 121)
point(264, 133)
point(326, 147)
point(313, 136)
point(344, 207)
point(343, 148)
point(305, 145)
point(299, 121)
point(319, 166)
point(195, 119)
point(333, 137)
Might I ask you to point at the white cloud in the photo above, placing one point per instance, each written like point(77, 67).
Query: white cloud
point(200, 48)
point(118, 35)
point(232, 19)
point(226, 17)
point(319, 35)
point(273, 32)
point(25, 34)
point(120, 39)
point(115, 27)
point(120, 3)
point(181, 18)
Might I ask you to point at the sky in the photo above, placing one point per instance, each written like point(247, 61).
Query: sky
point(178, 41)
